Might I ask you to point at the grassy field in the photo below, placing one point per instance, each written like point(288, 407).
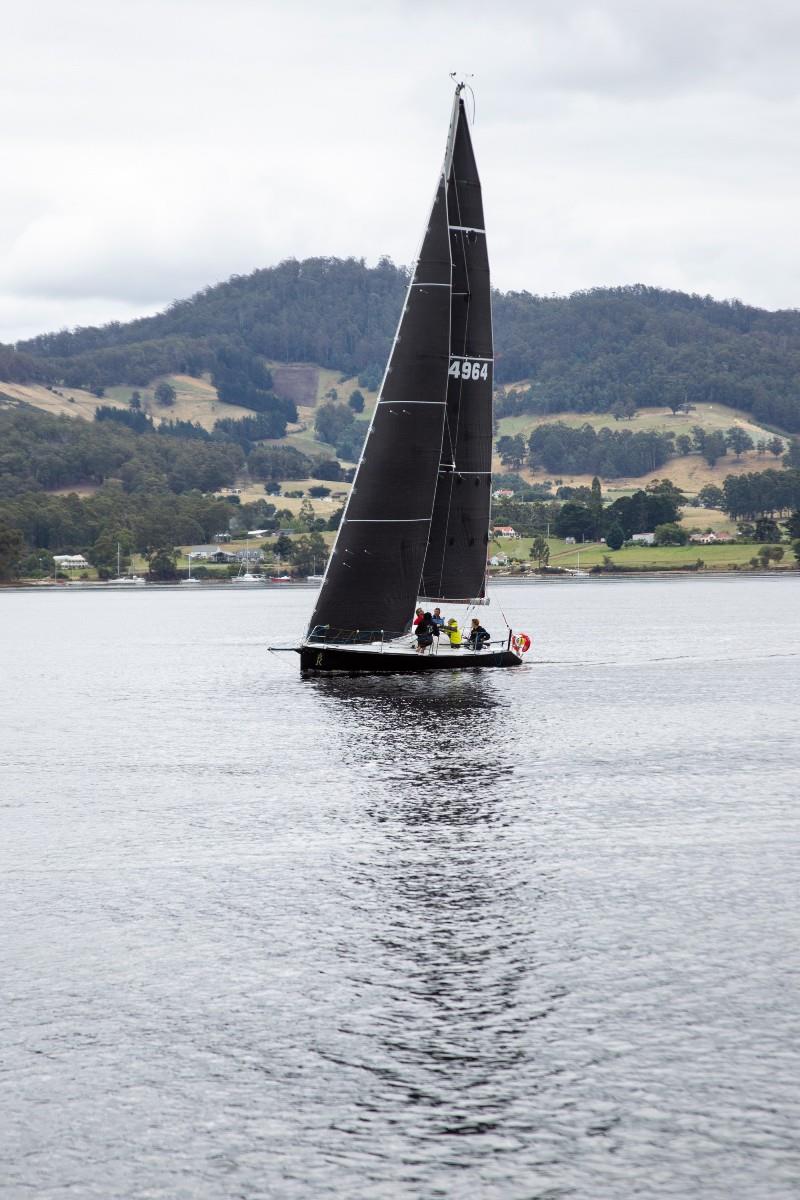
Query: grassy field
point(67, 402)
point(647, 420)
point(590, 554)
point(196, 400)
point(690, 472)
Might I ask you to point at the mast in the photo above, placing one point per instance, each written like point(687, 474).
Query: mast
point(373, 574)
point(455, 562)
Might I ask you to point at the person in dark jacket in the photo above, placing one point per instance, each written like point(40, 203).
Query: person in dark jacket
point(426, 631)
point(478, 637)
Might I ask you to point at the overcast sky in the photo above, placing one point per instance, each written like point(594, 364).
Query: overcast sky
point(153, 147)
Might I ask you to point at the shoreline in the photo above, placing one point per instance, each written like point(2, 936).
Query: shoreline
point(302, 585)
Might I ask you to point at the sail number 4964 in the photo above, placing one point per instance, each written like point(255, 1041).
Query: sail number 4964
point(465, 368)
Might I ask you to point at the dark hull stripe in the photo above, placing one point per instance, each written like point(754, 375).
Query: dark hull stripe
point(361, 662)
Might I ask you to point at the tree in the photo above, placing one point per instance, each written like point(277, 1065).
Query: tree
point(309, 553)
point(331, 422)
point(356, 401)
point(670, 535)
point(792, 526)
point(165, 394)
point(135, 400)
point(306, 518)
point(775, 446)
point(769, 554)
point(796, 551)
point(739, 440)
point(767, 530)
point(278, 462)
point(574, 520)
point(319, 492)
point(272, 488)
point(540, 550)
point(675, 397)
point(714, 447)
point(615, 537)
point(791, 458)
point(11, 548)
point(511, 450)
point(162, 564)
point(328, 468)
point(683, 444)
point(596, 506)
point(710, 496)
point(283, 547)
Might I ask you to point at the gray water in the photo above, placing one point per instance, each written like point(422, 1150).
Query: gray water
point(527, 933)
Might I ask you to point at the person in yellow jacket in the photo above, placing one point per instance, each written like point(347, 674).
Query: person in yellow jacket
point(453, 632)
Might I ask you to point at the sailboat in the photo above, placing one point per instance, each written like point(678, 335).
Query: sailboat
point(416, 526)
point(188, 578)
point(245, 575)
point(132, 580)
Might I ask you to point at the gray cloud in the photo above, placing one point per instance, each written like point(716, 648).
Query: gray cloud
point(151, 149)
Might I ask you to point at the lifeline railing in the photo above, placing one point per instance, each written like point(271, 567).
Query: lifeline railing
point(362, 637)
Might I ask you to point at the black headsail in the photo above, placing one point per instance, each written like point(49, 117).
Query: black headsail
point(455, 563)
point(372, 580)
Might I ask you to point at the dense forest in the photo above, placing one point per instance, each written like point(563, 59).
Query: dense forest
point(605, 350)
point(40, 452)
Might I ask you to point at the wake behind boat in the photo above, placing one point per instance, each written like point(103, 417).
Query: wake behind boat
point(416, 525)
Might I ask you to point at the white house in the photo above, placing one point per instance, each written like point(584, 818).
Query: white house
point(498, 560)
point(70, 562)
point(644, 539)
point(506, 531)
point(710, 539)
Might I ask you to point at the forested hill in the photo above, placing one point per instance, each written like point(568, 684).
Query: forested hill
point(606, 350)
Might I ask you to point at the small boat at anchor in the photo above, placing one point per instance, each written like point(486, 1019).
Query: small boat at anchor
point(131, 580)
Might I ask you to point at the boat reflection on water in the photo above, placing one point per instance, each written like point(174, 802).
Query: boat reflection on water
point(450, 1002)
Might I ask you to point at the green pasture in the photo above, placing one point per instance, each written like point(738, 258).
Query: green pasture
point(647, 420)
point(591, 554)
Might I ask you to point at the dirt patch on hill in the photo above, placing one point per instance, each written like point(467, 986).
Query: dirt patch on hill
point(297, 382)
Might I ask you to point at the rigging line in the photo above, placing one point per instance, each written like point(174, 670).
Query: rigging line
point(272, 651)
point(474, 106)
point(502, 614)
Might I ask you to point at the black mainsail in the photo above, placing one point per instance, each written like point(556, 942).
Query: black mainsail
point(418, 514)
point(455, 563)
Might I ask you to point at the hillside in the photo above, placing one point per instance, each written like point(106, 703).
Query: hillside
point(606, 350)
point(690, 472)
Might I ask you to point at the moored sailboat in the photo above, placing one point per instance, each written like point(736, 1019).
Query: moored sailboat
point(130, 580)
point(416, 525)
